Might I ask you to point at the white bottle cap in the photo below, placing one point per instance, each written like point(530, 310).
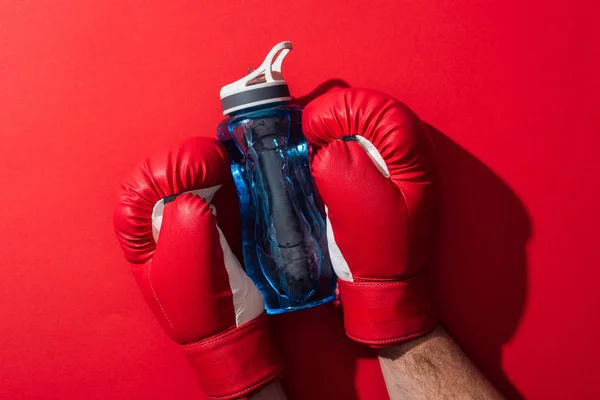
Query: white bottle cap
point(262, 86)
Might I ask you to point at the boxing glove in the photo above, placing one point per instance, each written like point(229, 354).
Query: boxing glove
point(373, 167)
point(177, 220)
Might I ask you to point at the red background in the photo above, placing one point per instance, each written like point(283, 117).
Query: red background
point(88, 88)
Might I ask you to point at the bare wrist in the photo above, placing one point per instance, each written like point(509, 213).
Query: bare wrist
point(432, 366)
point(397, 351)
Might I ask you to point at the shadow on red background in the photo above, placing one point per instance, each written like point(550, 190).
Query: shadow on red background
point(315, 347)
point(480, 264)
point(480, 278)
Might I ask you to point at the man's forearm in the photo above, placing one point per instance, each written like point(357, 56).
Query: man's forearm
point(273, 391)
point(433, 367)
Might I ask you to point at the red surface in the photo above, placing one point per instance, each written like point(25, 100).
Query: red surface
point(89, 88)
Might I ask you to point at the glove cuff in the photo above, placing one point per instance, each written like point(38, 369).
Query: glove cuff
point(384, 313)
point(237, 362)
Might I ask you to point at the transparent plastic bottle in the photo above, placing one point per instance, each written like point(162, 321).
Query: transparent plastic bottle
point(283, 226)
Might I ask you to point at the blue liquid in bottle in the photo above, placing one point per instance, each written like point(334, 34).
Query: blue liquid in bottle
point(283, 225)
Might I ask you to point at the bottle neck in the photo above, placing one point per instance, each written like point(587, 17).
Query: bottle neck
point(261, 107)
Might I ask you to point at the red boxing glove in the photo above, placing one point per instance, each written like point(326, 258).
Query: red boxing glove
point(373, 167)
point(182, 260)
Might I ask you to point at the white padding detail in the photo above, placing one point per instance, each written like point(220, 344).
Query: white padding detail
point(159, 207)
point(339, 263)
point(247, 299)
point(374, 154)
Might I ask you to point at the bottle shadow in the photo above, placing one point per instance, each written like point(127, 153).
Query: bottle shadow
point(480, 263)
point(321, 363)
